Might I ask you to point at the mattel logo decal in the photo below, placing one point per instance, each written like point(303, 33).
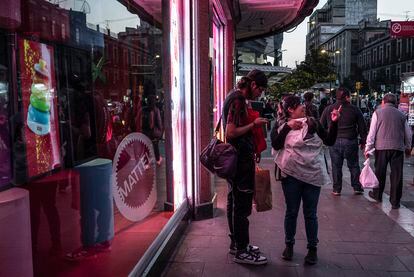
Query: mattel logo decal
point(402, 29)
point(134, 178)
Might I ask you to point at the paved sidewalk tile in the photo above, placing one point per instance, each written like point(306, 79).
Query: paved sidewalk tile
point(357, 238)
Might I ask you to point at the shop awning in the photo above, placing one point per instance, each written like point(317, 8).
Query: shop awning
point(261, 18)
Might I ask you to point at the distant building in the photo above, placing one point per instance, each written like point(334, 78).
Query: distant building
point(383, 59)
point(334, 15)
point(343, 50)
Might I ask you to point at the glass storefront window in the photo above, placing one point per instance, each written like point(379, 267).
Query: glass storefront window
point(89, 140)
point(5, 151)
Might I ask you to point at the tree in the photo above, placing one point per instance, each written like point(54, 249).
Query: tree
point(316, 68)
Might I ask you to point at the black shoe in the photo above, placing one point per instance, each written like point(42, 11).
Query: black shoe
point(396, 206)
point(372, 195)
point(312, 257)
point(288, 252)
point(359, 191)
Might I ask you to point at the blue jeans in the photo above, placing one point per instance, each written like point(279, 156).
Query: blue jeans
point(345, 149)
point(296, 191)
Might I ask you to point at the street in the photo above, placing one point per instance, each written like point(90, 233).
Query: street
point(357, 237)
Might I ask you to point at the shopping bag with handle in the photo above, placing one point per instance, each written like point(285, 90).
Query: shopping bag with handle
point(263, 190)
point(367, 177)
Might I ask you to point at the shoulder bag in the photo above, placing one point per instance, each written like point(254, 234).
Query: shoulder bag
point(218, 157)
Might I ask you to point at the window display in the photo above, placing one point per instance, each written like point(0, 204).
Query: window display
point(39, 106)
point(89, 108)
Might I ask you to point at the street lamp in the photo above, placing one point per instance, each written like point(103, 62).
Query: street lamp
point(280, 51)
point(324, 51)
point(336, 63)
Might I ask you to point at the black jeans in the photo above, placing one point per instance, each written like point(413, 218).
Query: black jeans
point(396, 160)
point(296, 191)
point(239, 207)
point(345, 149)
point(240, 200)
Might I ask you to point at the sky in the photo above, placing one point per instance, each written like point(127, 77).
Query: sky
point(295, 42)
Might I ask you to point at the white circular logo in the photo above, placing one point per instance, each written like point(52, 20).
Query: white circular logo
point(396, 28)
point(134, 179)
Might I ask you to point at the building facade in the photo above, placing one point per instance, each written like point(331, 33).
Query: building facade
point(104, 109)
point(342, 47)
point(88, 185)
point(383, 59)
point(335, 14)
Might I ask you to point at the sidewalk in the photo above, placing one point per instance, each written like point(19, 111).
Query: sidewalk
point(357, 238)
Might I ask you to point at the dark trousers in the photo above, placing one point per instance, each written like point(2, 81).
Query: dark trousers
point(44, 196)
point(296, 191)
point(240, 199)
point(396, 160)
point(156, 149)
point(239, 207)
point(345, 149)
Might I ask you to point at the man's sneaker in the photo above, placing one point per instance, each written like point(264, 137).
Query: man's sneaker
point(372, 195)
point(288, 252)
point(397, 206)
point(248, 257)
point(251, 248)
point(312, 257)
point(336, 193)
point(359, 191)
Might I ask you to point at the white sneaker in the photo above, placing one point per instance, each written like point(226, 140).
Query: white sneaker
point(248, 257)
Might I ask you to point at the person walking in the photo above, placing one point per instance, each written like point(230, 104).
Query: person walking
point(322, 106)
point(280, 119)
point(299, 155)
point(239, 133)
point(311, 109)
point(152, 125)
point(389, 135)
point(350, 126)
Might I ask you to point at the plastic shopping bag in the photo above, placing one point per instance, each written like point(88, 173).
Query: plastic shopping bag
point(367, 177)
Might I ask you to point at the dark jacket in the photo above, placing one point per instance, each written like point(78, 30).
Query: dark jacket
point(311, 110)
point(350, 124)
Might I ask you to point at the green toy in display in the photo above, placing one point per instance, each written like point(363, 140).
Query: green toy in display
point(38, 116)
point(40, 97)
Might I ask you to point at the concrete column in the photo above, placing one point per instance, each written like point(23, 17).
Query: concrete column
point(205, 203)
point(206, 198)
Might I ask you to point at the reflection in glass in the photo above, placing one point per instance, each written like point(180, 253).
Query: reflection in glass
point(106, 57)
point(5, 168)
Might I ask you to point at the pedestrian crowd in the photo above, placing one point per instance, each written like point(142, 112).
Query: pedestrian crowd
point(299, 136)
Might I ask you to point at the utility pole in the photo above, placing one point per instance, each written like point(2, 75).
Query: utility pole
point(407, 17)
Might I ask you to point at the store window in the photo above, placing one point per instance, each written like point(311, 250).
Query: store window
point(89, 141)
point(5, 149)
